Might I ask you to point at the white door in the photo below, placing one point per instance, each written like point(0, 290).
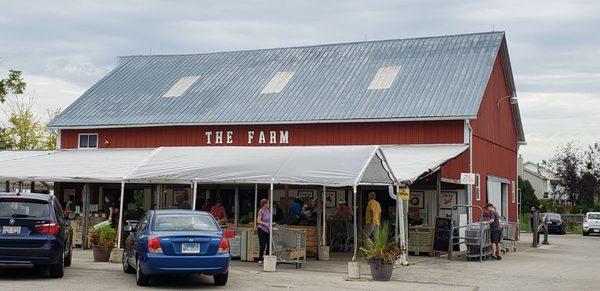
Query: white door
point(494, 194)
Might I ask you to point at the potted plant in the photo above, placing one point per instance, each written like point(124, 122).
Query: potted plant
point(102, 240)
point(381, 252)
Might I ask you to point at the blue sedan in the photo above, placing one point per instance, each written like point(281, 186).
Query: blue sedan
point(177, 242)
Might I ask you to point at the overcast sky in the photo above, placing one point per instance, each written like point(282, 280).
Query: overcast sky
point(64, 47)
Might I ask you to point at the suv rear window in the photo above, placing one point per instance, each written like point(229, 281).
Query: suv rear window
point(184, 222)
point(18, 207)
point(594, 216)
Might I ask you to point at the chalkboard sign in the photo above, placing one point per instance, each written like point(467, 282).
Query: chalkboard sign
point(441, 235)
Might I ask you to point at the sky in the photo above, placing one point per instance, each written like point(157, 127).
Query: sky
point(64, 47)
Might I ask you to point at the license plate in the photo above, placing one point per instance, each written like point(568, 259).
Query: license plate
point(190, 248)
point(596, 230)
point(11, 230)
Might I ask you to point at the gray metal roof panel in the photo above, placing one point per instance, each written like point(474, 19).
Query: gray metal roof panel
point(439, 77)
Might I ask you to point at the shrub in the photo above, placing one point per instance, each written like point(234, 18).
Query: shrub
point(103, 237)
point(382, 248)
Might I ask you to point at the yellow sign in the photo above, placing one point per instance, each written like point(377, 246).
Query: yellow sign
point(404, 193)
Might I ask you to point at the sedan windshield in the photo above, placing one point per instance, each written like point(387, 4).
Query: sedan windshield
point(594, 216)
point(553, 216)
point(23, 208)
point(184, 222)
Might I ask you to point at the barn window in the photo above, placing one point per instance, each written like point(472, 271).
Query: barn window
point(384, 78)
point(181, 86)
point(88, 141)
point(278, 82)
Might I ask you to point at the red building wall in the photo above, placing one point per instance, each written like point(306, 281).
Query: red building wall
point(417, 132)
point(495, 140)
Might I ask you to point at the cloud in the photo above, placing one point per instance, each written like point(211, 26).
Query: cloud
point(65, 47)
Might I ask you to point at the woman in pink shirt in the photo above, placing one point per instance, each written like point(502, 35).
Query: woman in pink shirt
point(263, 229)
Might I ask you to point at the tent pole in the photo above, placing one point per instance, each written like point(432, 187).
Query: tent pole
point(120, 215)
point(194, 194)
point(355, 226)
point(324, 224)
point(255, 202)
point(271, 220)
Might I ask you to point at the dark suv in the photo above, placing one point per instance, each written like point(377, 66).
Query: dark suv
point(34, 231)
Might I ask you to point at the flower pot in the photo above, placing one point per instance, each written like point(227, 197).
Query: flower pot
point(101, 254)
point(381, 271)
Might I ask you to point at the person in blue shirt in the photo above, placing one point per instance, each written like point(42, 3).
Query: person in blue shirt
point(294, 211)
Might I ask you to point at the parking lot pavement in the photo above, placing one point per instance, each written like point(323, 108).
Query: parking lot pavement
point(571, 262)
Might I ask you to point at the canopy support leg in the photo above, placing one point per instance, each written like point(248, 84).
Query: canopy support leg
point(119, 236)
point(271, 220)
point(194, 194)
point(355, 225)
point(323, 237)
point(85, 217)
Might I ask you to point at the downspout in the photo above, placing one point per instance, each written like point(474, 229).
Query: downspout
point(470, 187)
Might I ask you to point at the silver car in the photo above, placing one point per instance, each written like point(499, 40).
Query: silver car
point(591, 223)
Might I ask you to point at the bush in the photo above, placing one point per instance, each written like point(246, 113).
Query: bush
point(528, 198)
point(547, 205)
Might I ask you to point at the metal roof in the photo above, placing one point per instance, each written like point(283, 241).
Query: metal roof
point(439, 78)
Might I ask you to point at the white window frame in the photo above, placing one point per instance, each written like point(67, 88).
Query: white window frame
point(477, 187)
point(88, 134)
point(514, 192)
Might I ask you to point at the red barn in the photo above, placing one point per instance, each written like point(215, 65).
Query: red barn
point(456, 89)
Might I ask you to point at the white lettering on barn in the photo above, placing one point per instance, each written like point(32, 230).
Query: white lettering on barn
point(252, 137)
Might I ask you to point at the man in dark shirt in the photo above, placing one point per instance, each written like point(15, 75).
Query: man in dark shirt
point(495, 231)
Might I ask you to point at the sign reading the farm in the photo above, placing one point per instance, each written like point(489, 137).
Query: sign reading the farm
point(258, 137)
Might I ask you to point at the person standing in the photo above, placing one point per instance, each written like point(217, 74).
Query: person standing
point(495, 231)
point(219, 212)
point(373, 216)
point(263, 221)
point(184, 203)
point(70, 206)
point(110, 210)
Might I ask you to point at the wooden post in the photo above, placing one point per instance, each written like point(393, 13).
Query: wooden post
point(535, 226)
point(85, 198)
point(236, 206)
point(7, 186)
point(545, 242)
point(32, 187)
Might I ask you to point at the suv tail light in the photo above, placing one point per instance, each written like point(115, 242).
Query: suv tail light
point(224, 246)
point(154, 246)
point(47, 228)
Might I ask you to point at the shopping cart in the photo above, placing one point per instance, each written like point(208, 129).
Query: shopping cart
point(478, 241)
point(289, 246)
point(340, 235)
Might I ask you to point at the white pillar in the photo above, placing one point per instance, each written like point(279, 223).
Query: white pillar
point(271, 220)
point(355, 226)
point(120, 227)
point(194, 195)
point(255, 203)
point(401, 226)
point(324, 240)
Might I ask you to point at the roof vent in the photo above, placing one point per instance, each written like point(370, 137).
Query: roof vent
point(384, 78)
point(181, 86)
point(278, 82)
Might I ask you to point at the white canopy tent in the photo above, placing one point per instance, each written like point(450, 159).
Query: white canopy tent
point(327, 166)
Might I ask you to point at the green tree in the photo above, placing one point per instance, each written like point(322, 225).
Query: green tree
point(12, 84)
point(24, 130)
point(528, 198)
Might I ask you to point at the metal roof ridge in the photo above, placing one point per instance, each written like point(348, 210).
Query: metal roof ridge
point(315, 45)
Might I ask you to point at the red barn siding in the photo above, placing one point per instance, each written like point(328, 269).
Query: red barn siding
point(417, 132)
point(495, 141)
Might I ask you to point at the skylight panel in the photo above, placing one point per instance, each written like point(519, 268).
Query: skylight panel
point(181, 86)
point(278, 82)
point(384, 77)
